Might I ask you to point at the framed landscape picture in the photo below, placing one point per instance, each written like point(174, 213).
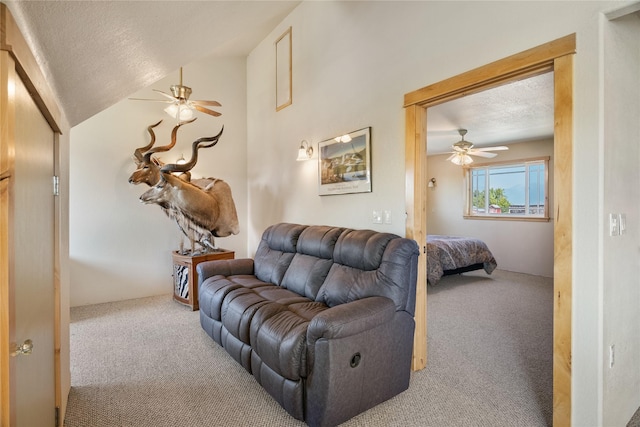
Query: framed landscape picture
point(345, 164)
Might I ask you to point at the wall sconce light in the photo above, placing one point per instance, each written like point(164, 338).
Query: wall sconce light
point(305, 151)
point(181, 160)
point(432, 183)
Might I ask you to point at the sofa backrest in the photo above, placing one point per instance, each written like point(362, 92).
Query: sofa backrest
point(312, 261)
point(337, 265)
point(275, 251)
point(369, 263)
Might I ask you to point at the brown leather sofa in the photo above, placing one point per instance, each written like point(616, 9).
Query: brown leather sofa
point(322, 317)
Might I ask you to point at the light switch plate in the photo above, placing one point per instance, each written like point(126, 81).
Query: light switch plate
point(376, 217)
point(387, 217)
point(622, 223)
point(614, 226)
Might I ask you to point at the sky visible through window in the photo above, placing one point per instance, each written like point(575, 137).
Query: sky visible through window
point(512, 180)
point(521, 184)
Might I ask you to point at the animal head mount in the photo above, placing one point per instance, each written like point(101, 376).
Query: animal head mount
point(203, 209)
point(211, 208)
point(138, 154)
point(148, 171)
point(195, 146)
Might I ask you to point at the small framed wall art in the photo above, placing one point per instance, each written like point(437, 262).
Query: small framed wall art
point(284, 84)
point(345, 163)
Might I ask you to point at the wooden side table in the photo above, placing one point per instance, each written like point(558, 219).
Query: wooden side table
point(185, 276)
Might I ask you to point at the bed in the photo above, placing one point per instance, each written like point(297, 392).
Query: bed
point(455, 255)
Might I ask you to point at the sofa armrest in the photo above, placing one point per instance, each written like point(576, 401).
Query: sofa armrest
point(224, 267)
point(351, 318)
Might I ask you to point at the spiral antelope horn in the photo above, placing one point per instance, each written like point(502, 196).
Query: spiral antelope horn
point(174, 139)
point(138, 154)
point(195, 146)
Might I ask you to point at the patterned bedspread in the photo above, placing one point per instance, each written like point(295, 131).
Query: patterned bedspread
point(449, 253)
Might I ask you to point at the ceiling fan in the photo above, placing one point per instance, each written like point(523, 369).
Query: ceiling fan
point(180, 106)
point(463, 150)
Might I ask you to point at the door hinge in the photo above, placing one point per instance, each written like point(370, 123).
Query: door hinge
point(57, 416)
point(56, 185)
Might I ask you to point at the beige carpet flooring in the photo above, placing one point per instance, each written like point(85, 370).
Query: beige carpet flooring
point(147, 362)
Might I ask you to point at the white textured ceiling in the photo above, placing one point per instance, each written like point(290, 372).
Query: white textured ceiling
point(516, 112)
point(96, 53)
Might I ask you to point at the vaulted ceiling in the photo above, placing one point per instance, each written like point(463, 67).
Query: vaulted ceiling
point(96, 53)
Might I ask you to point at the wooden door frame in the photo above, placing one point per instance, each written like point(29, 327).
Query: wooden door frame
point(556, 56)
point(17, 61)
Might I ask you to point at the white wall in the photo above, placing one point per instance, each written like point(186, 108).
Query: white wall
point(522, 246)
point(120, 248)
point(621, 149)
point(354, 61)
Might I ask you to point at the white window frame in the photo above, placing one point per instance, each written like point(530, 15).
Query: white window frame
point(468, 174)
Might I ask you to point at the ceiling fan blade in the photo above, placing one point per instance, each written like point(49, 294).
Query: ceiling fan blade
point(166, 94)
point(484, 154)
point(498, 148)
point(452, 156)
point(152, 100)
point(207, 111)
point(209, 103)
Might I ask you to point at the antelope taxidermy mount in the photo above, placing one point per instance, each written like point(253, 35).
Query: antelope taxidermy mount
point(138, 154)
point(148, 171)
point(201, 213)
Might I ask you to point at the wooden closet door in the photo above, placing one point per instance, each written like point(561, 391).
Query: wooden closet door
point(31, 244)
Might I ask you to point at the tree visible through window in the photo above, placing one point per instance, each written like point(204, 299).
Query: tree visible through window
point(516, 189)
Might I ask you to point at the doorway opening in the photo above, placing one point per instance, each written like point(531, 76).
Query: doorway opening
point(556, 56)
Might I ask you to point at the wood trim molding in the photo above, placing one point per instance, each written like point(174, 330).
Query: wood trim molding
point(554, 56)
point(12, 41)
point(7, 115)
point(416, 196)
point(562, 238)
point(525, 64)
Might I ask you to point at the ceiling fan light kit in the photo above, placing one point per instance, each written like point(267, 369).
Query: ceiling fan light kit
point(179, 111)
point(463, 150)
point(461, 159)
point(181, 107)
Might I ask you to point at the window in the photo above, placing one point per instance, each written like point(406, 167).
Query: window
point(513, 190)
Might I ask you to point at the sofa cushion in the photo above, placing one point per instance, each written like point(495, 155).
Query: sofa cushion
point(367, 264)
point(310, 265)
point(241, 304)
point(214, 289)
point(319, 241)
point(238, 309)
point(275, 251)
point(361, 249)
point(279, 336)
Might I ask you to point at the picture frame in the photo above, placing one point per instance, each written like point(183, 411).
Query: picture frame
point(284, 71)
point(344, 164)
